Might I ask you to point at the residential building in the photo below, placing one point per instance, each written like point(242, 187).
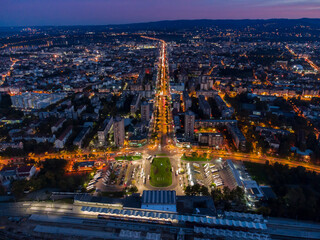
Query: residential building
point(238, 139)
point(176, 102)
point(15, 173)
point(78, 141)
point(62, 139)
point(211, 139)
point(58, 125)
point(226, 112)
point(189, 125)
point(135, 103)
point(8, 174)
point(145, 112)
point(104, 130)
point(118, 131)
point(15, 145)
point(26, 172)
point(31, 100)
point(186, 101)
point(204, 106)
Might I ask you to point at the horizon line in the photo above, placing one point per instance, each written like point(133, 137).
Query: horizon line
point(165, 20)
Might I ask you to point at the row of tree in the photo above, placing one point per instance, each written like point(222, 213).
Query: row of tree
point(297, 190)
point(52, 175)
point(229, 199)
point(225, 199)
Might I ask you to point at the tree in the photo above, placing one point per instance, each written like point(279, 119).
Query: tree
point(18, 188)
point(227, 198)
point(217, 195)
point(226, 193)
point(2, 190)
point(133, 189)
point(265, 211)
point(284, 148)
point(204, 191)
point(297, 191)
point(249, 147)
point(196, 190)
point(75, 166)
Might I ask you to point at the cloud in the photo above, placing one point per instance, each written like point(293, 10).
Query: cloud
point(288, 3)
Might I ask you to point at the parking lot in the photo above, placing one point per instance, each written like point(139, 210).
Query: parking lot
point(211, 173)
point(112, 177)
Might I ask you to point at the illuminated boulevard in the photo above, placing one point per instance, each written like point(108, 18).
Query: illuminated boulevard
point(163, 124)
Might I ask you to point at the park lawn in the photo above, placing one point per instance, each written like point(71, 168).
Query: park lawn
point(129, 158)
point(194, 159)
point(160, 173)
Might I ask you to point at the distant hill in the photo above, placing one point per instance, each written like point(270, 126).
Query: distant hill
point(190, 24)
point(180, 25)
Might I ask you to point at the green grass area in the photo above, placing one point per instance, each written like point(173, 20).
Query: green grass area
point(129, 158)
point(194, 159)
point(257, 171)
point(160, 173)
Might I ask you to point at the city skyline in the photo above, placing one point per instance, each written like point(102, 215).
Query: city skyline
point(172, 119)
point(101, 12)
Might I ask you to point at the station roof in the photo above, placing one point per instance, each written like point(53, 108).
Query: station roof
point(159, 197)
point(141, 215)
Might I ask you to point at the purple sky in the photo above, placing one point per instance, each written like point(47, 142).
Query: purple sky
point(72, 12)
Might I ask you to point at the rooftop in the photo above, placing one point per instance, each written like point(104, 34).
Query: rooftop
point(159, 197)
